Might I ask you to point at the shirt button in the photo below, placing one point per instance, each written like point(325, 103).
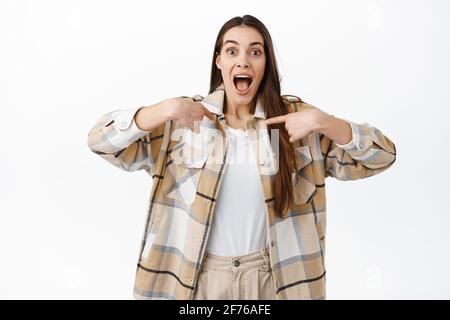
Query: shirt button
point(261, 162)
point(272, 243)
point(237, 263)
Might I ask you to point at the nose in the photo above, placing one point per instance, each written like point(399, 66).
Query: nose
point(244, 62)
point(243, 65)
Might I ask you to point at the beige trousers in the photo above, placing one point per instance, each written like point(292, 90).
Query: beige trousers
point(236, 278)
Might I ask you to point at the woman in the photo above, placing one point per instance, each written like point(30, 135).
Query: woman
point(221, 228)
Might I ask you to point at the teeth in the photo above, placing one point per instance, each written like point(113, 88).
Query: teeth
point(243, 77)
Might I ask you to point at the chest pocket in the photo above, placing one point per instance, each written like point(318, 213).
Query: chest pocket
point(185, 162)
point(304, 187)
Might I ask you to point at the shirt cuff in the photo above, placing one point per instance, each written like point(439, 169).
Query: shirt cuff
point(352, 142)
point(361, 139)
point(127, 130)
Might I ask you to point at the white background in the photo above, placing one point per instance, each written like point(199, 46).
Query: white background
point(71, 224)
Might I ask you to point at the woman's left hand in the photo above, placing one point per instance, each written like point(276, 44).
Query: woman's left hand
point(301, 123)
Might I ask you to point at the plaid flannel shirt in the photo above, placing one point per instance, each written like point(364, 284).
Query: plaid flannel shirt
point(185, 190)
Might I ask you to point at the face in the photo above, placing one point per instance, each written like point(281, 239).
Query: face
point(242, 53)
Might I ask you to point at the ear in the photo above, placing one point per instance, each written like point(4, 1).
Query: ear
point(218, 61)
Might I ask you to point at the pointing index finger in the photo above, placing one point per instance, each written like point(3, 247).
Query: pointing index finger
point(278, 119)
point(209, 114)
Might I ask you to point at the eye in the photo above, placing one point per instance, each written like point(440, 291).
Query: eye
point(258, 51)
point(230, 50)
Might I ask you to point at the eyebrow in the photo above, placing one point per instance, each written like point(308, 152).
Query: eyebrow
point(251, 44)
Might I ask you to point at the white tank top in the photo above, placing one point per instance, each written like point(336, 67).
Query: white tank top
point(239, 224)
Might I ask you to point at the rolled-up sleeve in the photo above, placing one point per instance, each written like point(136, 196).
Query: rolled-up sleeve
point(116, 138)
point(368, 153)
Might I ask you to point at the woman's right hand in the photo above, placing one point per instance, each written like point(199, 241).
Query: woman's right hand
point(184, 110)
point(188, 112)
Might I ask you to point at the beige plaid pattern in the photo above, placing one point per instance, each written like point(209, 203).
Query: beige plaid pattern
point(185, 189)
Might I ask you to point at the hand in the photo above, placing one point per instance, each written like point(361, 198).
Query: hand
point(301, 123)
point(188, 112)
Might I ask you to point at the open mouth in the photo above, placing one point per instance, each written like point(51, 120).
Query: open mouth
point(242, 83)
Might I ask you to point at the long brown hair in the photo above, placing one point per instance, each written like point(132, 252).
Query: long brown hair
point(273, 104)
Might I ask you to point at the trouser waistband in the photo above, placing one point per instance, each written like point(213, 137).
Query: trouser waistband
point(260, 258)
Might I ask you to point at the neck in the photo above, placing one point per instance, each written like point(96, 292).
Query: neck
point(238, 111)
